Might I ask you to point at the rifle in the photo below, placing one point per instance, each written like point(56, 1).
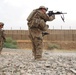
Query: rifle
point(50, 13)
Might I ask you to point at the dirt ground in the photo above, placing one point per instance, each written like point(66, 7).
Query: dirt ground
point(21, 62)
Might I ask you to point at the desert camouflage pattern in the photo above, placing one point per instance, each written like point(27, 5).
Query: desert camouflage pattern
point(2, 39)
point(36, 26)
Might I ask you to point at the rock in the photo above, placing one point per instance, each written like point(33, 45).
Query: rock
point(18, 62)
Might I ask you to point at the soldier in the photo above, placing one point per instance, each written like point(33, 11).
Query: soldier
point(2, 38)
point(37, 24)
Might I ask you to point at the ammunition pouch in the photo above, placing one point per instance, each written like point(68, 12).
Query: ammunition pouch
point(33, 23)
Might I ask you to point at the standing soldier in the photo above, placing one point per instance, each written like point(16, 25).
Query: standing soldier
point(2, 38)
point(37, 25)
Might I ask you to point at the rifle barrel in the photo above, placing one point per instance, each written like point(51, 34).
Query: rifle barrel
point(60, 13)
point(64, 13)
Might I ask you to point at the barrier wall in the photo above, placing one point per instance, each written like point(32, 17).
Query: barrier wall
point(65, 38)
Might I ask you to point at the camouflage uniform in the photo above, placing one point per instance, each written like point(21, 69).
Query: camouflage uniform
point(36, 26)
point(2, 38)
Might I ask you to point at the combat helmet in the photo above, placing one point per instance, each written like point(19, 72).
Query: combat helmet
point(43, 7)
point(1, 24)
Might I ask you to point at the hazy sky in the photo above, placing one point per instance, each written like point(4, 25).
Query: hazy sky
point(14, 12)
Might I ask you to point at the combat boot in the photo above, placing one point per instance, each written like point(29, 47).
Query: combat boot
point(40, 59)
point(45, 33)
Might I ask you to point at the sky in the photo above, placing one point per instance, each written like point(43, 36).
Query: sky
point(13, 13)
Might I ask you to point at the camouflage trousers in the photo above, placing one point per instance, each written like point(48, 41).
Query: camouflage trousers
point(37, 45)
point(1, 46)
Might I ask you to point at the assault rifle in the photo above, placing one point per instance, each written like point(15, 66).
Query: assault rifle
point(50, 13)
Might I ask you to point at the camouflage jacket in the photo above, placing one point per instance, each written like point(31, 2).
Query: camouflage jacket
point(38, 23)
point(39, 20)
point(2, 37)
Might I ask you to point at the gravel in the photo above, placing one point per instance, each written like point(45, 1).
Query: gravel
point(21, 62)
